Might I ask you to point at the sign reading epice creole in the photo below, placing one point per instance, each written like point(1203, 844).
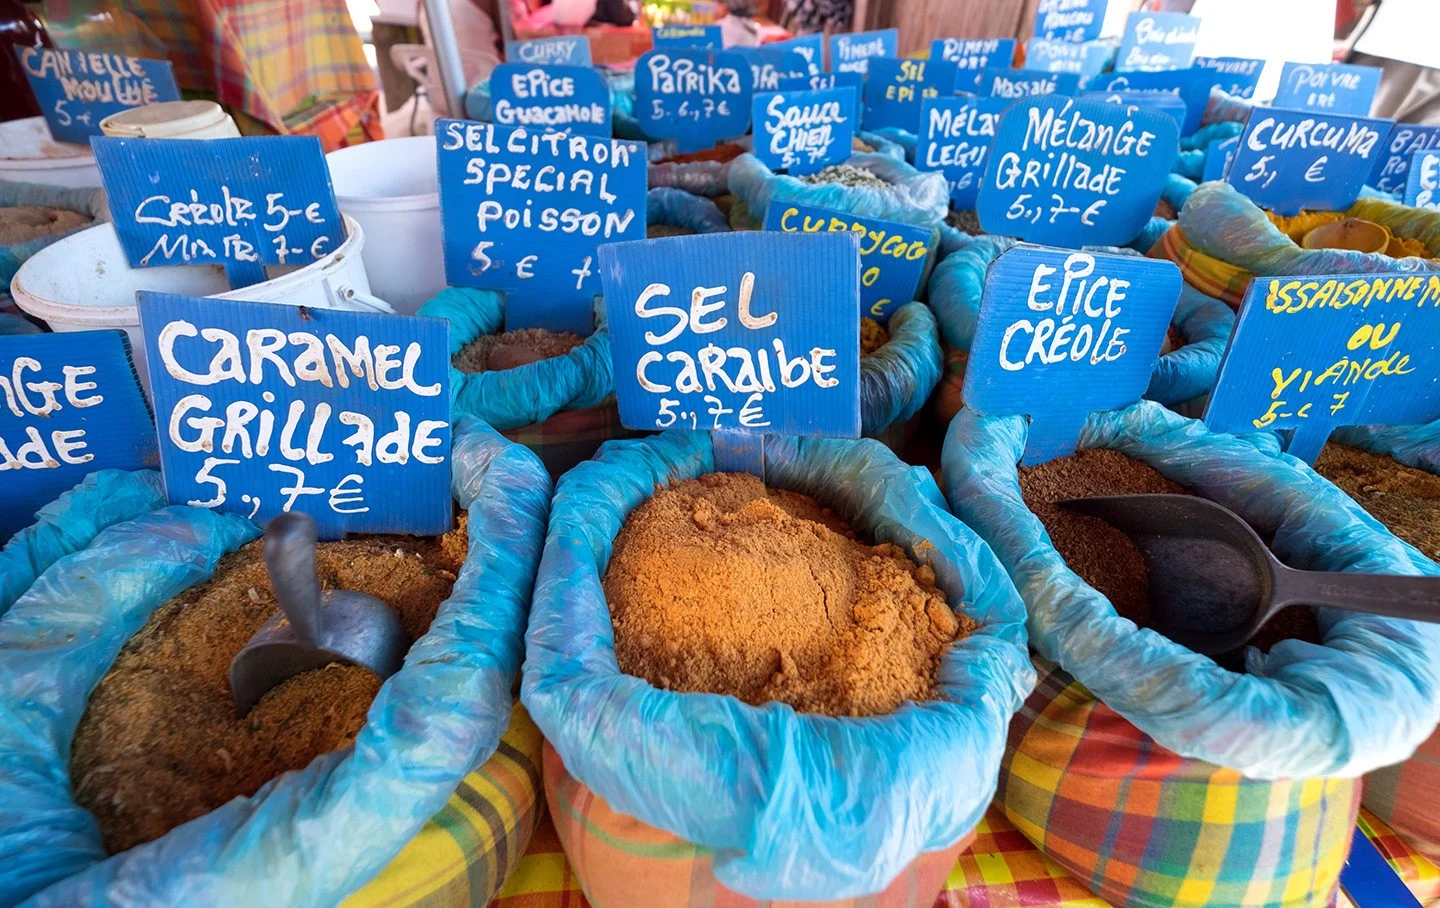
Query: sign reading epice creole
point(573, 98)
point(852, 53)
point(1423, 188)
point(69, 405)
point(955, 139)
point(1392, 168)
point(1331, 87)
point(805, 131)
point(1291, 160)
point(562, 50)
point(523, 212)
point(693, 95)
point(1070, 20)
point(972, 53)
point(1311, 353)
point(1075, 173)
point(1063, 334)
point(77, 89)
point(747, 331)
point(687, 36)
point(1158, 41)
point(895, 89)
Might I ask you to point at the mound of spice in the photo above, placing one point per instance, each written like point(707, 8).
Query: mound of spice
point(1404, 499)
point(845, 175)
point(658, 230)
point(720, 585)
point(965, 222)
point(160, 742)
point(22, 223)
point(723, 153)
point(511, 349)
point(873, 336)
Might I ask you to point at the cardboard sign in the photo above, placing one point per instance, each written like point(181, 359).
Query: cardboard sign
point(892, 255)
point(852, 53)
point(1157, 41)
point(895, 89)
point(1291, 160)
point(768, 66)
point(822, 81)
point(811, 47)
point(695, 96)
point(561, 50)
point(1393, 168)
point(805, 131)
point(1170, 105)
point(1192, 86)
point(1085, 60)
point(573, 98)
point(1219, 155)
point(1423, 188)
point(77, 89)
point(749, 331)
point(1075, 173)
point(1330, 87)
point(974, 53)
point(1063, 334)
point(263, 408)
point(523, 212)
point(1311, 353)
point(671, 36)
point(1023, 83)
point(955, 139)
point(1070, 20)
point(69, 405)
point(1236, 76)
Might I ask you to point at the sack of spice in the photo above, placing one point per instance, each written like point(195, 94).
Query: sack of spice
point(311, 836)
point(897, 374)
point(707, 172)
point(683, 795)
point(32, 216)
point(872, 184)
point(673, 212)
point(1232, 784)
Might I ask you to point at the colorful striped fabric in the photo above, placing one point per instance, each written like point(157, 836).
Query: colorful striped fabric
point(1001, 869)
point(1420, 875)
point(571, 436)
point(1205, 273)
point(1407, 797)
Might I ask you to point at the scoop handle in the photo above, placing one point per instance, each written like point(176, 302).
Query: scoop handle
point(1387, 595)
point(290, 561)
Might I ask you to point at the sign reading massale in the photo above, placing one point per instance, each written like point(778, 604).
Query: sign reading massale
point(749, 331)
point(695, 96)
point(955, 138)
point(1062, 334)
point(69, 405)
point(1293, 160)
point(1075, 173)
point(804, 131)
point(77, 89)
point(556, 97)
point(264, 408)
point(1311, 353)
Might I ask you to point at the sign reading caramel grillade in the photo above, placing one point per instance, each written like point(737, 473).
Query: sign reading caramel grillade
point(77, 89)
point(804, 131)
point(1312, 353)
point(695, 96)
point(1292, 160)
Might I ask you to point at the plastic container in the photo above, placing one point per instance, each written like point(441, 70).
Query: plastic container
point(29, 155)
point(172, 120)
point(391, 188)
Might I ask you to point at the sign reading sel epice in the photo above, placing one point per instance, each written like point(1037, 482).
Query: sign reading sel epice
point(695, 96)
point(749, 331)
point(806, 131)
point(852, 53)
point(264, 408)
point(561, 50)
point(895, 89)
point(1332, 87)
point(1063, 334)
point(1024, 83)
point(571, 98)
point(77, 89)
point(1311, 353)
point(1393, 166)
point(1158, 41)
point(974, 53)
point(523, 212)
point(1423, 188)
point(1291, 160)
point(955, 139)
point(1070, 20)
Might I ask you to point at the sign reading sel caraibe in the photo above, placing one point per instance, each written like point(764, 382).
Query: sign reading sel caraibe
point(748, 331)
point(1392, 168)
point(69, 405)
point(1423, 188)
point(1084, 60)
point(852, 53)
point(1332, 87)
point(811, 47)
point(561, 50)
point(892, 256)
point(1158, 41)
point(264, 408)
point(1023, 83)
point(973, 53)
point(805, 131)
point(687, 36)
point(769, 66)
point(1291, 160)
point(523, 211)
point(1192, 86)
point(1236, 76)
point(77, 89)
point(693, 95)
point(1219, 154)
point(955, 138)
point(1311, 353)
point(1070, 20)
point(573, 98)
point(895, 89)
point(823, 81)
point(1063, 334)
point(1075, 173)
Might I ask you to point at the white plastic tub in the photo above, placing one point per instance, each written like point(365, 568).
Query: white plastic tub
point(172, 120)
point(29, 155)
point(390, 187)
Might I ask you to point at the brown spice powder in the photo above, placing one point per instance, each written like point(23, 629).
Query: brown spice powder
point(873, 336)
point(655, 231)
point(1404, 499)
point(160, 743)
point(727, 151)
point(22, 223)
point(512, 349)
point(720, 585)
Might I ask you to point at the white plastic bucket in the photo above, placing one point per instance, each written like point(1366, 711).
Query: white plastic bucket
point(85, 283)
point(172, 120)
point(390, 187)
point(29, 155)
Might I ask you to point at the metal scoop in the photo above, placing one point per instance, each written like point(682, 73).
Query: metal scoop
point(1214, 584)
point(313, 629)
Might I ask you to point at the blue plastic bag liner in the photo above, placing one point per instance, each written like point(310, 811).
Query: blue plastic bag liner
point(903, 139)
point(1202, 137)
point(676, 208)
point(1153, 230)
point(1414, 446)
point(306, 838)
point(1177, 191)
point(896, 380)
point(70, 522)
point(912, 197)
point(1190, 164)
point(511, 398)
point(794, 806)
point(89, 202)
point(1364, 699)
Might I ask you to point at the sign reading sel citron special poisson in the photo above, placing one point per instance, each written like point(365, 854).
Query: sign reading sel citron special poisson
point(1311, 353)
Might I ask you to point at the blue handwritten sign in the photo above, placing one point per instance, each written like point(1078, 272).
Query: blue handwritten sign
point(1075, 173)
point(1219, 155)
point(1070, 20)
point(769, 66)
point(561, 50)
point(1236, 76)
point(955, 138)
point(1291, 160)
point(749, 331)
point(77, 89)
point(69, 405)
point(892, 255)
point(1170, 105)
point(811, 47)
point(806, 131)
point(1393, 167)
point(1313, 352)
point(573, 98)
point(264, 408)
point(895, 89)
point(687, 36)
point(1331, 87)
point(822, 81)
point(852, 53)
point(1024, 83)
point(1158, 41)
point(974, 53)
point(1085, 60)
point(1062, 334)
point(695, 96)
point(523, 211)
point(1423, 188)
point(1192, 86)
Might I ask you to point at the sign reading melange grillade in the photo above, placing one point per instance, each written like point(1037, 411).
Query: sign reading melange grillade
point(1423, 188)
point(895, 89)
point(693, 95)
point(571, 98)
point(955, 139)
point(804, 131)
point(1292, 160)
point(1312, 353)
point(77, 89)
point(1392, 168)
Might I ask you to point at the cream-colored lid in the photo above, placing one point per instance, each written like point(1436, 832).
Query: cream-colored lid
point(168, 118)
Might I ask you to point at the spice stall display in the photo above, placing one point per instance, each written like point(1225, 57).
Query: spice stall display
point(672, 212)
point(707, 172)
point(874, 184)
point(32, 216)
